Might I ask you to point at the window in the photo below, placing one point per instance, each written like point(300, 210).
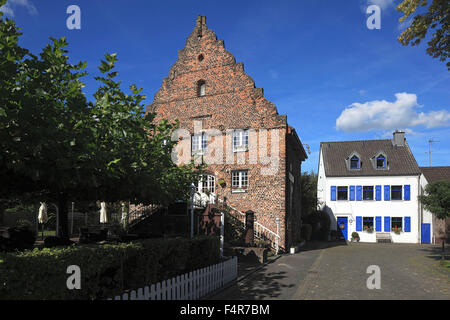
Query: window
point(342, 193)
point(198, 143)
point(201, 88)
point(207, 184)
point(200, 58)
point(368, 193)
point(354, 162)
point(396, 223)
point(396, 193)
point(239, 180)
point(240, 140)
point(381, 162)
point(368, 224)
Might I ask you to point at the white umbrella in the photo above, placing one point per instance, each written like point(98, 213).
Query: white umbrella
point(43, 217)
point(103, 216)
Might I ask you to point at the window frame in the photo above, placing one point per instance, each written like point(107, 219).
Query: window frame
point(243, 138)
point(380, 156)
point(369, 221)
point(242, 176)
point(364, 191)
point(210, 184)
point(338, 191)
point(201, 88)
point(201, 144)
point(397, 220)
point(397, 191)
point(358, 164)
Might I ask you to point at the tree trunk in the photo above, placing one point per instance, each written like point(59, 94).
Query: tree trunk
point(63, 213)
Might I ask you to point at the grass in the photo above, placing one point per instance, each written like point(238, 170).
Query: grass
point(445, 263)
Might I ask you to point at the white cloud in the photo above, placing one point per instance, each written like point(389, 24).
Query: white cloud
point(385, 115)
point(9, 7)
point(383, 4)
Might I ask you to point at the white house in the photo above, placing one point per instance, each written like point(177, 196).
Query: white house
point(372, 187)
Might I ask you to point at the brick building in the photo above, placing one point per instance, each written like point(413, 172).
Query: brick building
point(253, 156)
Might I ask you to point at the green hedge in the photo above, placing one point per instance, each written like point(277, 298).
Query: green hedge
point(106, 270)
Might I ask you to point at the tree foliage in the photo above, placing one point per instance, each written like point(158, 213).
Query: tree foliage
point(56, 145)
point(437, 199)
point(308, 192)
point(436, 17)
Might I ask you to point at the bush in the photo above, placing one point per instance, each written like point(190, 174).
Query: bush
point(106, 270)
point(306, 232)
point(16, 238)
point(355, 235)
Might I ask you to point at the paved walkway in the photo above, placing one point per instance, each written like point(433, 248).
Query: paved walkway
point(339, 271)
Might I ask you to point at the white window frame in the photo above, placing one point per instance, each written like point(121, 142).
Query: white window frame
point(198, 144)
point(209, 184)
point(242, 176)
point(240, 136)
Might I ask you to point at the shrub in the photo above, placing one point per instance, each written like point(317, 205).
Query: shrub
point(16, 238)
point(355, 235)
point(106, 270)
point(306, 232)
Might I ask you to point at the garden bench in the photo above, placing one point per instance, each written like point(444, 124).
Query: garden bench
point(383, 237)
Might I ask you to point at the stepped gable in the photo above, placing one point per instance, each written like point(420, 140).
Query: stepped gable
point(231, 99)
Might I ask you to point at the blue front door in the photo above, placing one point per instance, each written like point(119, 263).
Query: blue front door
point(342, 226)
point(425, 233)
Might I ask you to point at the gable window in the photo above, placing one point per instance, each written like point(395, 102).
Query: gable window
point(354, 163)
point(199, 143)
point(396, 192)
point(240, 140)
point(381, 162)
point(201, 88)
point(368, 193)
point(396, 223)
point(368, 224)
point(239, 180)
point(342, 193)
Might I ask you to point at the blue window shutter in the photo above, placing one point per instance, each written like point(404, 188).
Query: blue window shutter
point(387, 224)
point(407, 189)
point(407, 224)
point(352, 193)
point(358, 223)
point(333, 193)
point(378, 224)
point(359, 193)
point(378, 193)
point(387, 193)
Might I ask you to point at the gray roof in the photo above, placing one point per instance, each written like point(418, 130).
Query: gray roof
point(400, 160)
point(433, 174)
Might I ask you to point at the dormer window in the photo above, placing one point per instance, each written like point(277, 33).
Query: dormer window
point(354, 163)
point(201, 88)
point(381, 162)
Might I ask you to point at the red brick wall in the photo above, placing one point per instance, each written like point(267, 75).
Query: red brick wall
point(231, 102)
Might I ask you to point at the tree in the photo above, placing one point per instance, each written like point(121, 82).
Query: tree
point(437, 201)
point(308, 192)
point(437, 16)
point(56, 145)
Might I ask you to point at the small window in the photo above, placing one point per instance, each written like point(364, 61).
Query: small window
point(396, 192)
point(354, 162)
point(201, 58)
point(239, 180)
point(381, 162)
point(368, 224)
point(368, 193)
point(342, 193)
point(207, 184)
point(199, 143)
point(201, 88)
point(240, 140)
point(396, 223)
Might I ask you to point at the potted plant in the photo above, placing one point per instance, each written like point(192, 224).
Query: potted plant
point(355, 237)
point(221, 182)
point(397, 230)
point(369, 229)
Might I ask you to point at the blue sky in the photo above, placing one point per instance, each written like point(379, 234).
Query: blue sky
point(316, 60)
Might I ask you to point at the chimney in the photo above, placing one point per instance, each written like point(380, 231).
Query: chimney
point(398, 139)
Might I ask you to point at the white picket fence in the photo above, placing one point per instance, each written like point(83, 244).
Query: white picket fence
point(189, 286)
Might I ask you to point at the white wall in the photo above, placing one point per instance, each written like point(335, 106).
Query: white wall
point(371, 208)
